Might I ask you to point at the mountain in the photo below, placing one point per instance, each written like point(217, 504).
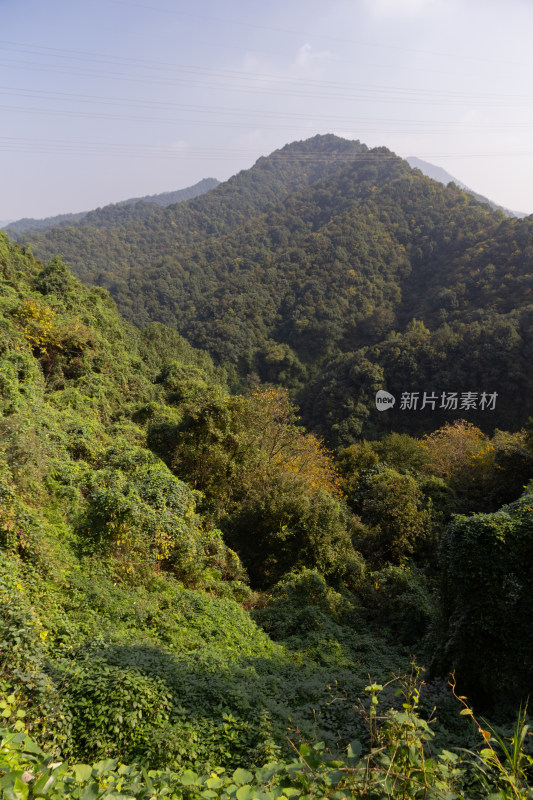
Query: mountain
point(189, 578)
point(169, 198)
point(439, 174)
point(322, 268)
point(25, 225)
point(435, 173)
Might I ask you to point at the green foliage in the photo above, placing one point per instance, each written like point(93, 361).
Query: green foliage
point(55, 278)
point(393, 509)
point(127, 628)
point(398, 764)
point(484, 625)
point(25, 687)
point(399, 598)
point(281, 529)
point(272, 488)
point(139, 512)
point(401, 452)
point(163, 349)
point(114, 712)
point(335, 271)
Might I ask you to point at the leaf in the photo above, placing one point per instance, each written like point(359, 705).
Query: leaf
point(264, 774)
point(242, 776)
point(90, 792)
point(46, 782)
point(354, 749)
point(82, 772)
point(17, 791)
point(214, 783)
point(107, 765)
point(245, 793)
point(334, 777)
point(189, 778)
point(31, 747)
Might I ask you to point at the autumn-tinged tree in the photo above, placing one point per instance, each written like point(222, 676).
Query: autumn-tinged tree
point(37, 321)
point(286, 447)
point(272, 487)
point(482, 472)
point(454, 449)
point(354, 460)
point(228, 446)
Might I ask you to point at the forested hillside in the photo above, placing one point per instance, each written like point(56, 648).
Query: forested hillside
point(194, 591)
point(145, 206)
point(334, 271)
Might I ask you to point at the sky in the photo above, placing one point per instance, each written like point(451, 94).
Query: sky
point(113, 99)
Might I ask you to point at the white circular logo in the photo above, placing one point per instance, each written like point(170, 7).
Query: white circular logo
point(384, 400)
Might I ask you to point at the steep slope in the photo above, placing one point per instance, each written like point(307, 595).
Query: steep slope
point(122, 627)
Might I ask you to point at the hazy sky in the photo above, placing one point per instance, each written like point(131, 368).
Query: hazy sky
point(111, 99)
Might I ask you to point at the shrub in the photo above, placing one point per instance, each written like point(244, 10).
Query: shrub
point(114, 711)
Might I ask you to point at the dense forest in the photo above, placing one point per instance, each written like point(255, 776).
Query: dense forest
point(332, 270)
point(145, 206)
point(204, 594)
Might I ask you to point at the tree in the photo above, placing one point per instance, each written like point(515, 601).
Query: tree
point(280, 528)
point(228, 446)
point(452, 449)
point(272, 488)
point(395, 513)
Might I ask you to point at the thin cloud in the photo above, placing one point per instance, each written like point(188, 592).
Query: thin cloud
point(397, 8)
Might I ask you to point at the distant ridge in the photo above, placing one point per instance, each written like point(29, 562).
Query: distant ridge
point(28, 224)
point(439, 174)
point(169, 198)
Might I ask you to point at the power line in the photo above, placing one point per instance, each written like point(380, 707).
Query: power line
point(58, 146)
point(248, 80)
point(359, 42)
